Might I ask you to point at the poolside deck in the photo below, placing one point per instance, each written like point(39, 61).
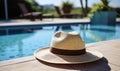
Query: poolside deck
point(45, 21)
point(57, 21)
point(111, 61)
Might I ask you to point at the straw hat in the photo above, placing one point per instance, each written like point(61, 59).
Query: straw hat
point(67, 48)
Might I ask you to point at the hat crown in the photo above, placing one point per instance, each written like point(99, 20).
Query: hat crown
point(67, 41)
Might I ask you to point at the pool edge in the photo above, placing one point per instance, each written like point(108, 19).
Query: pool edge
point(16, 61)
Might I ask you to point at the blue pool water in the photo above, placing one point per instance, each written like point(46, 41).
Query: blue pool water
point(24, 44)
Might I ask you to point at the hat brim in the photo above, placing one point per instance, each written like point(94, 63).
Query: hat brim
point(45, 55)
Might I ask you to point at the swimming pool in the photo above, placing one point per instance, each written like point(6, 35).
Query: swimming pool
point(24, 44)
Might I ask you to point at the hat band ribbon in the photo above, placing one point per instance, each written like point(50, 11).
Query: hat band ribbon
point(68, 52)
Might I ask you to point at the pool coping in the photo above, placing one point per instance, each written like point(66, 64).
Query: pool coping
point(55, 22)
point(16, 61)
point(37, 24)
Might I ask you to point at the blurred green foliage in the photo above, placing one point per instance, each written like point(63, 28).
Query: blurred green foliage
point(102, 6)
point(67, 4)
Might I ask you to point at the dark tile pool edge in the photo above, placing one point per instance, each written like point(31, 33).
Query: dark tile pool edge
point(118, 22)
point(7, 28)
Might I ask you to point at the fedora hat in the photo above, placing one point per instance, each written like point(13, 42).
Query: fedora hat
point(67, 48)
